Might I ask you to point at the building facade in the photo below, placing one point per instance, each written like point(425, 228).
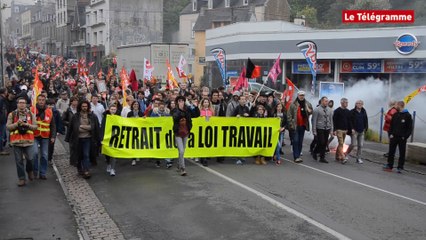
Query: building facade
point(201, 15)
point(344, 55)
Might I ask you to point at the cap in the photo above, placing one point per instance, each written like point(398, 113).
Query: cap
point(300, 93)
point(236, 93)
point(24, 87)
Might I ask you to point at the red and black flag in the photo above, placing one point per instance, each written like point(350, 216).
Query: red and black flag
point(253, 71)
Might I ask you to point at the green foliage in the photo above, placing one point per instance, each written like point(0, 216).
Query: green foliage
point(371, 5)
point(172, 9)
point(310, 14)
point(371, 135)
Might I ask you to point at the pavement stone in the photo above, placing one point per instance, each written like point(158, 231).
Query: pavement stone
point(91, 216)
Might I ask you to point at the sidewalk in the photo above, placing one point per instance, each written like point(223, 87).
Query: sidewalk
point(38, 210)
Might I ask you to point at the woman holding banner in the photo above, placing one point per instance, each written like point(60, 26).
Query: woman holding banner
point(280, 113)
point(182, 124)
point(206, 111)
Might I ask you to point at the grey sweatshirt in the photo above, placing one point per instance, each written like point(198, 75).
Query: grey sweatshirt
point(322, 118)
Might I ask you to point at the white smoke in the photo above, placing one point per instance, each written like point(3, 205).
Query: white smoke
point(377, 93)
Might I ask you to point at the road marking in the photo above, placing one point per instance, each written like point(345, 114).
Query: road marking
point(359, 183)
point(278, 204)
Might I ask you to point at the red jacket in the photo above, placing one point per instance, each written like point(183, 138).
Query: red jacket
point(388, 118)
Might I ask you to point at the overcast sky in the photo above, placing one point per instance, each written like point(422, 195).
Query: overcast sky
point(6, 12)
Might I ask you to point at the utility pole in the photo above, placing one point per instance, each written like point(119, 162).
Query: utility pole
point(2, 83)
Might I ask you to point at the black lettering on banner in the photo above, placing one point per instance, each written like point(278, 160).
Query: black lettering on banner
point(258, 137)
point(200, 137)
point(250, 136)
point(120, 145)
point(269, 137)
point(169, 139)
point(157, 131)
point(115, 132)
point(191, 140)
point(209, 137)
point(225, 136)
point(144, 139)
point(265, 129)
point(215, 137)
point(150, 137)
point(241, 137)
point(135, 138)
point(233, 136)
point(128, 129)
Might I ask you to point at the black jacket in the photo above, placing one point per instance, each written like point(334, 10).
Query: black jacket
point(73, 139)
point(188, 114)
point(355, 123)
point(401, 124)
point(240, 110)
point(342, 119)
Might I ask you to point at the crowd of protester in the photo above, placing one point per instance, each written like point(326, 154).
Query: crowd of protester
point(74, 106)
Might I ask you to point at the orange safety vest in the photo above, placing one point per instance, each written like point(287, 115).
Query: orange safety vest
point(16, 137)
point(43, 126)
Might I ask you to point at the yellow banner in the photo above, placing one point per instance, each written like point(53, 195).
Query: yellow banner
point(215, 137)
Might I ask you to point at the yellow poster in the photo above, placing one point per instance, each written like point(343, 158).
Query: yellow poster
point(213, 137)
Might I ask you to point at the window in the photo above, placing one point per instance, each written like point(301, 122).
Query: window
point(245, 2)
point(95, 38)
point(95, 20)
point(227, 3)
point(194, 5)
point(16, 9)
point(192, 30)
point(101, 13)
point(87, 19)
point(88, 38)
point(101, 37)
point(210, 4)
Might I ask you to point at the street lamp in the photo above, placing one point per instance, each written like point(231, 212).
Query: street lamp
point(2, 6)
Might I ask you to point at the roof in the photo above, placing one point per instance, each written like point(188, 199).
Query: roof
point(220, 4)
point(221, 15)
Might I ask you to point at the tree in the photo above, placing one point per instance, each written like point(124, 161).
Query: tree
point(371, 5)
point(171, 13)
point(310, 14)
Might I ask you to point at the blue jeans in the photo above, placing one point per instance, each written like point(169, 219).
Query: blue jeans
point(84, 160)
point(28, 152)
point(298, 136)
point(3, 136)
point(44, 152)
point(279, 146)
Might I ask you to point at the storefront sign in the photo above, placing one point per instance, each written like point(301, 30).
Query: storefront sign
point(232, 73)
point(404, 66)
point(406, 43)
point(361, 66)
point(302, 67)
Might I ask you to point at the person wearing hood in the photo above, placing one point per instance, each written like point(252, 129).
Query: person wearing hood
point(45, 133)
point(359, 123)
point(400, 130)
point(233, 103)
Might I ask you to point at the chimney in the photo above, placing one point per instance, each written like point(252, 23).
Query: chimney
point(202, 11)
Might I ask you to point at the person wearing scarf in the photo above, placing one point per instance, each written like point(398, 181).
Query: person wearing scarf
point(298, 115)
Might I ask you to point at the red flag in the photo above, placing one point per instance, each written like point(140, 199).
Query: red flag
point(242, 81)
point(275, 70)
point(114, 60)
point(288, 93)
point(91, 64)
point(134, 81)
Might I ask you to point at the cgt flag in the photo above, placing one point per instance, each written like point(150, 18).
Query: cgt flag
point(220, 57)
point(288, 93)
point(253, 71)
point(148, 69)
point(309, 51)
point(410, 96)
point(179, 68)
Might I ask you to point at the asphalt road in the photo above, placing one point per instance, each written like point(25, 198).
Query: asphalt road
point(37, 211)
point(226, 201)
